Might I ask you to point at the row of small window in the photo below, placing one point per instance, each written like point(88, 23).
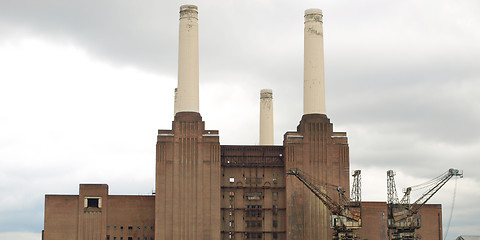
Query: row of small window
point(252, 223)
point(253, 196)
point(253, 180)
point(131, 227)
point(129, 238)
point(252, 235)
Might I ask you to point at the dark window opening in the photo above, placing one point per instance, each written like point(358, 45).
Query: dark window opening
point(130, 238)
point(92, 202)
point(130, 228)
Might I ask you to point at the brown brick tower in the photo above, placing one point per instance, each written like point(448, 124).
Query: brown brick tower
point(187, 202)
point(323, 154)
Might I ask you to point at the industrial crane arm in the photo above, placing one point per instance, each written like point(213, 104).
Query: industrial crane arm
point(437, 183)
point(331, 205)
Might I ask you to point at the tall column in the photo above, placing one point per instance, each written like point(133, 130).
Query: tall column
point(266, 117)
point(187, 94)
point(314, 74)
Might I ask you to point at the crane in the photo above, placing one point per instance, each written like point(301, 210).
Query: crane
point(402, 216)
point(345, 216)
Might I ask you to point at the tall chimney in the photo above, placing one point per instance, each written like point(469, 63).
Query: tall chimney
point(313, 73)
point(266, 117)
point(187, 93)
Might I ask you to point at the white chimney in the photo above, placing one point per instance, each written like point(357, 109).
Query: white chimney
point(314, 74)
point(266, 117)
point(187, 92)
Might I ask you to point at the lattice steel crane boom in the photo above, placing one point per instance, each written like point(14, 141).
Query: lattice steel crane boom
point(402, 218)
point(345, 216)
point(356, 193)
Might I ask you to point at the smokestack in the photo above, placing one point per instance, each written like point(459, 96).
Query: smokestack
point(266, 117)
point(313, 72)
point(187, 93)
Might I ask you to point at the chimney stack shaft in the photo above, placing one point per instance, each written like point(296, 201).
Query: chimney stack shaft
point(314, 74)
point(187, 92)
point(266, 117)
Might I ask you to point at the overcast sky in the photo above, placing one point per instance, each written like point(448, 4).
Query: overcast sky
point(84, 86)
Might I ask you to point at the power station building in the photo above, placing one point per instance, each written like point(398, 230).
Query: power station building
point(205, 190)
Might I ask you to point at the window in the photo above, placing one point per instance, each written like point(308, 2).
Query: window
point(130, 228)
point(130, 238)
point(252, 235)
point(274, 210)
point(114, 238)
point(275, 223)
point(275, 196)
point(275, 235)
point(252, 211)
point(108, 237)
point(92, 202)
point(231, 194)
point(121, 227)
point(108, 227)
point(254, 223)
point(275, 181)
point(232, 180)
point(231, 223)
point(114, 227)
point(253, 196)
